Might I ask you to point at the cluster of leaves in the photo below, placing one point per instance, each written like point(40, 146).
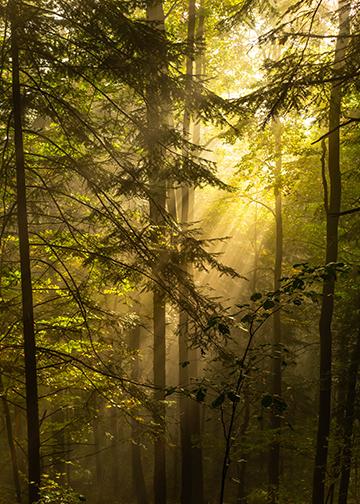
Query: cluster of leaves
point(52, 492)
point(301, 286)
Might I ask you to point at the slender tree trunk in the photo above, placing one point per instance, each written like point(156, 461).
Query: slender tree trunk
point(253, 279)
point(159, 373)
point(97, 432)
point(11, 443)
point(138, 475)
point(32, 408)
point(136, 461)
point(173, 202)
point(115, 454)
point(173, 492)
point(157, 115)
point(333, 206)
point(68, 449)
point(338, 412)
point(275, 419)
point(192, 487)
point(184, 352)
point(60, 448)
point(349, 417)
point(243, 464)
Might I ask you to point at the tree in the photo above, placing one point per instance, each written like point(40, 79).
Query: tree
point(32, 408)
point(191, 453)
point(125, 116)
point(157, 110)
point(332, 197)
point(276, 385)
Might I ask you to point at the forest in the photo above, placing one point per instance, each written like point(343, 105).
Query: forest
point(179, 251)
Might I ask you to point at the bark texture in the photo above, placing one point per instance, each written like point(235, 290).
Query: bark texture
point(11, 443)
point(32, 408)
point(140, 491)
point(276, 378)
point(333, 206)
point(192, 486)
point(349, 417)
point(157, 118)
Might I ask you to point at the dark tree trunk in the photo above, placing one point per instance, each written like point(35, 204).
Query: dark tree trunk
point(243, 464)
point(349, 417)
point(115, 454)
point(338, 412)
point(192, 486)
point(68, 449)
point(138, 475)
point(11, 443)
point(98, 445)
point(333, 205)
point(60, 447)
point(160, 383)
point(184, 352)
point(136, 460)
point(32, 408)
point(157, 118)
point(276, 379)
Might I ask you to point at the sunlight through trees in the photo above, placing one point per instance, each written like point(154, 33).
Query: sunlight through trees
point(179, 256)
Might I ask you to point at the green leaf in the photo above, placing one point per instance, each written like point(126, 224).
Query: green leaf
point(224, 329)
point(218, 401)
point(279, 404)
point(211, 322)
point(233, 396)
point(200, 394)
point(256, 296)
point(268, 304)
point(248, 318)
point(298, 283)
point(266, 401)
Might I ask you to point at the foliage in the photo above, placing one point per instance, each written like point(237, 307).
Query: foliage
point(91, 133)
point(54, 493)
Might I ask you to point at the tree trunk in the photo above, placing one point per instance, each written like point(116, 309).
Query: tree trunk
point(60, 447)
point(349, 417)
point(136, 461)
point(32, 408)
point(138, 474)
point(192, 486)
point(160, 383)
point(98, 446)
point(184, 352)
point(115, 454)
point(11, 443)
point(275, 418)
point(333, 206)
point(157, 118)
point(338, 412)
point(243, 464)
